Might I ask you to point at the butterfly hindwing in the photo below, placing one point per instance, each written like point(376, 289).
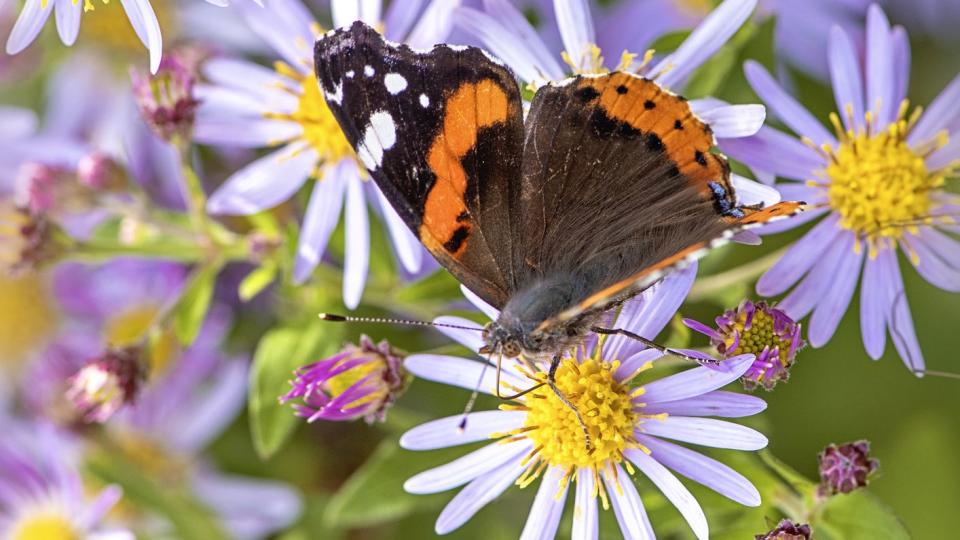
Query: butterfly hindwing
point(441, 134)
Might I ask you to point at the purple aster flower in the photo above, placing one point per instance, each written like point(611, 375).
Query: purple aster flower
point(358, 382)
point(42, 493)
point(35, 13)
point(247, 105)
point(787, 530)
point(879, 184)
point(761, 330)
point(166, 99)
point(845, 468)
point(22, 142)
point(537, 436)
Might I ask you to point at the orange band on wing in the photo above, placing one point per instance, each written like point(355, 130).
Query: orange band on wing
point(446, 221)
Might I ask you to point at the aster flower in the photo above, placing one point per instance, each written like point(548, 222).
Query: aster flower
point(539, 437)
point(43, 494)
point(358, 382)
point(787, 530)
point(845, 468)
point(761, 330)
point(878, 183)
point(247, 105)
point(35, 13)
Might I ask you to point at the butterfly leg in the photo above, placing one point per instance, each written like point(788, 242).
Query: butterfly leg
point(652, 344)
point(552, 382)
point(514, 396)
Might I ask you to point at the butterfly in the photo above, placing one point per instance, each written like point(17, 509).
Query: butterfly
point(609, 184)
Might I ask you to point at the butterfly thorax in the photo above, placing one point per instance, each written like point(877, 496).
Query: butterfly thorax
point(523, 327)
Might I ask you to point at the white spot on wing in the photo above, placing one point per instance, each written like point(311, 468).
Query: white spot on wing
point(457, 48)
point(379, 136)
point(350, 74)
point(337, 95)
point(395, 83)
point(424, 101)
point(368, 71)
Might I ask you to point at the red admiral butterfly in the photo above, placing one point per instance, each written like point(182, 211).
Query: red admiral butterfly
point(609, 184)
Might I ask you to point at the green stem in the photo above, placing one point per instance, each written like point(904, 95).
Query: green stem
point(98, 251)
point(711, 285)
point(196, 198)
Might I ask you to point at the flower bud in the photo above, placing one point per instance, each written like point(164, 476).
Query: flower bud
point(100, 172)
point(361, 381)
point(166, 99)
point(787, 530)
point(27, 239)
point(846, 467)
point(107, 383)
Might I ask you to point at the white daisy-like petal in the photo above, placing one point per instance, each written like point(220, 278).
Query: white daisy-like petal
point(408, 247)
point(471, 339)
point(357, 240)
point(464, 469)
point(478, 494)
point(434, 24)
point(576, 29)
point(695, 381)
point(634, 523)
point(673, 490)
point(750, 192)
point(264, 183)
point(500, 42)
point(145, 24)
point(586, 518)
point(461, 372)
point(734, 120)
point(344, 12)
point(31, 20)
point(68, 20)
point(322, 216)
point(706, 432)
point(488, 310)
point(544, 516)
point(446, 432)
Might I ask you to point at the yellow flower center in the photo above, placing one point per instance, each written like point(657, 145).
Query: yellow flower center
point(878, 184)
point(27, 316)
point(759, 336)
point(45, 527)
point(320, 129)
point(106, 24)
point(606, 409)
point(338, 384)
point(128, 328)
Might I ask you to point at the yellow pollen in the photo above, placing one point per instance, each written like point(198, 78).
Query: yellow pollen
point(603, 402)
point(759, 336)
point(47, 526)
point(338, 384)
point(27, 317)
point(878, 185)
point(320, 129)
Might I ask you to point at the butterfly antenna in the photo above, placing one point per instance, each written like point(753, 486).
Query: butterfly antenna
point(331, 317)
point(654, 345)
point(473, 397)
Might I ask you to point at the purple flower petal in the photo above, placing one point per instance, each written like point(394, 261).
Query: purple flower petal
point(464, 469)
point(637, 360)
point(31, 20)
point(68, 20)
point(478, 494)
point(800, 258)
point(940, 114)
point(673, 490)
point(248, 507)
point(834, 304)
point(649, 312)
point(945, 156)
point(471, 339)
point(778, 227)
point(323, 213)
point(775, 152)
point(400, 17)
point(702, 469)
point(434, 25)
point(875, 305)
point(503, 44)
point(879, 67)
point(147, 28)
point(705, 432)
point(586, 519)
point(947, 247)
point(246, 76)
point(716, 403)
point(490, 311)
point(16, 122)
point(445, 432)
point(901, 324)
point(525, 35)
point(693, 382)
point(264, 183)
point(576, 29)
point(627, 506)
point(244, 132)
point(784, 106)
point(456, 371)
point(932, 267)
point(407, 246)
point(812, 290)
point(846, 77)
point(357, 247)
point(901, 66)
point(753, 193)
point(704, 41)
point(544, 516)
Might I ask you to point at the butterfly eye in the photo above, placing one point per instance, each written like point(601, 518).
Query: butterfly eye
point(511, 349)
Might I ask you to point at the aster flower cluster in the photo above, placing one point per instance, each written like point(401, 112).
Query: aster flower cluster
point(178, 202)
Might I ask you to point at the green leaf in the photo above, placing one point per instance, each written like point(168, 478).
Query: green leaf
point(374, 494)
point(256, 281)
point(278, 354)
point(669, 42)
point(857, 516)
point(437, 286)
point(192, 308)
point(709, 77)
point(191, 519)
